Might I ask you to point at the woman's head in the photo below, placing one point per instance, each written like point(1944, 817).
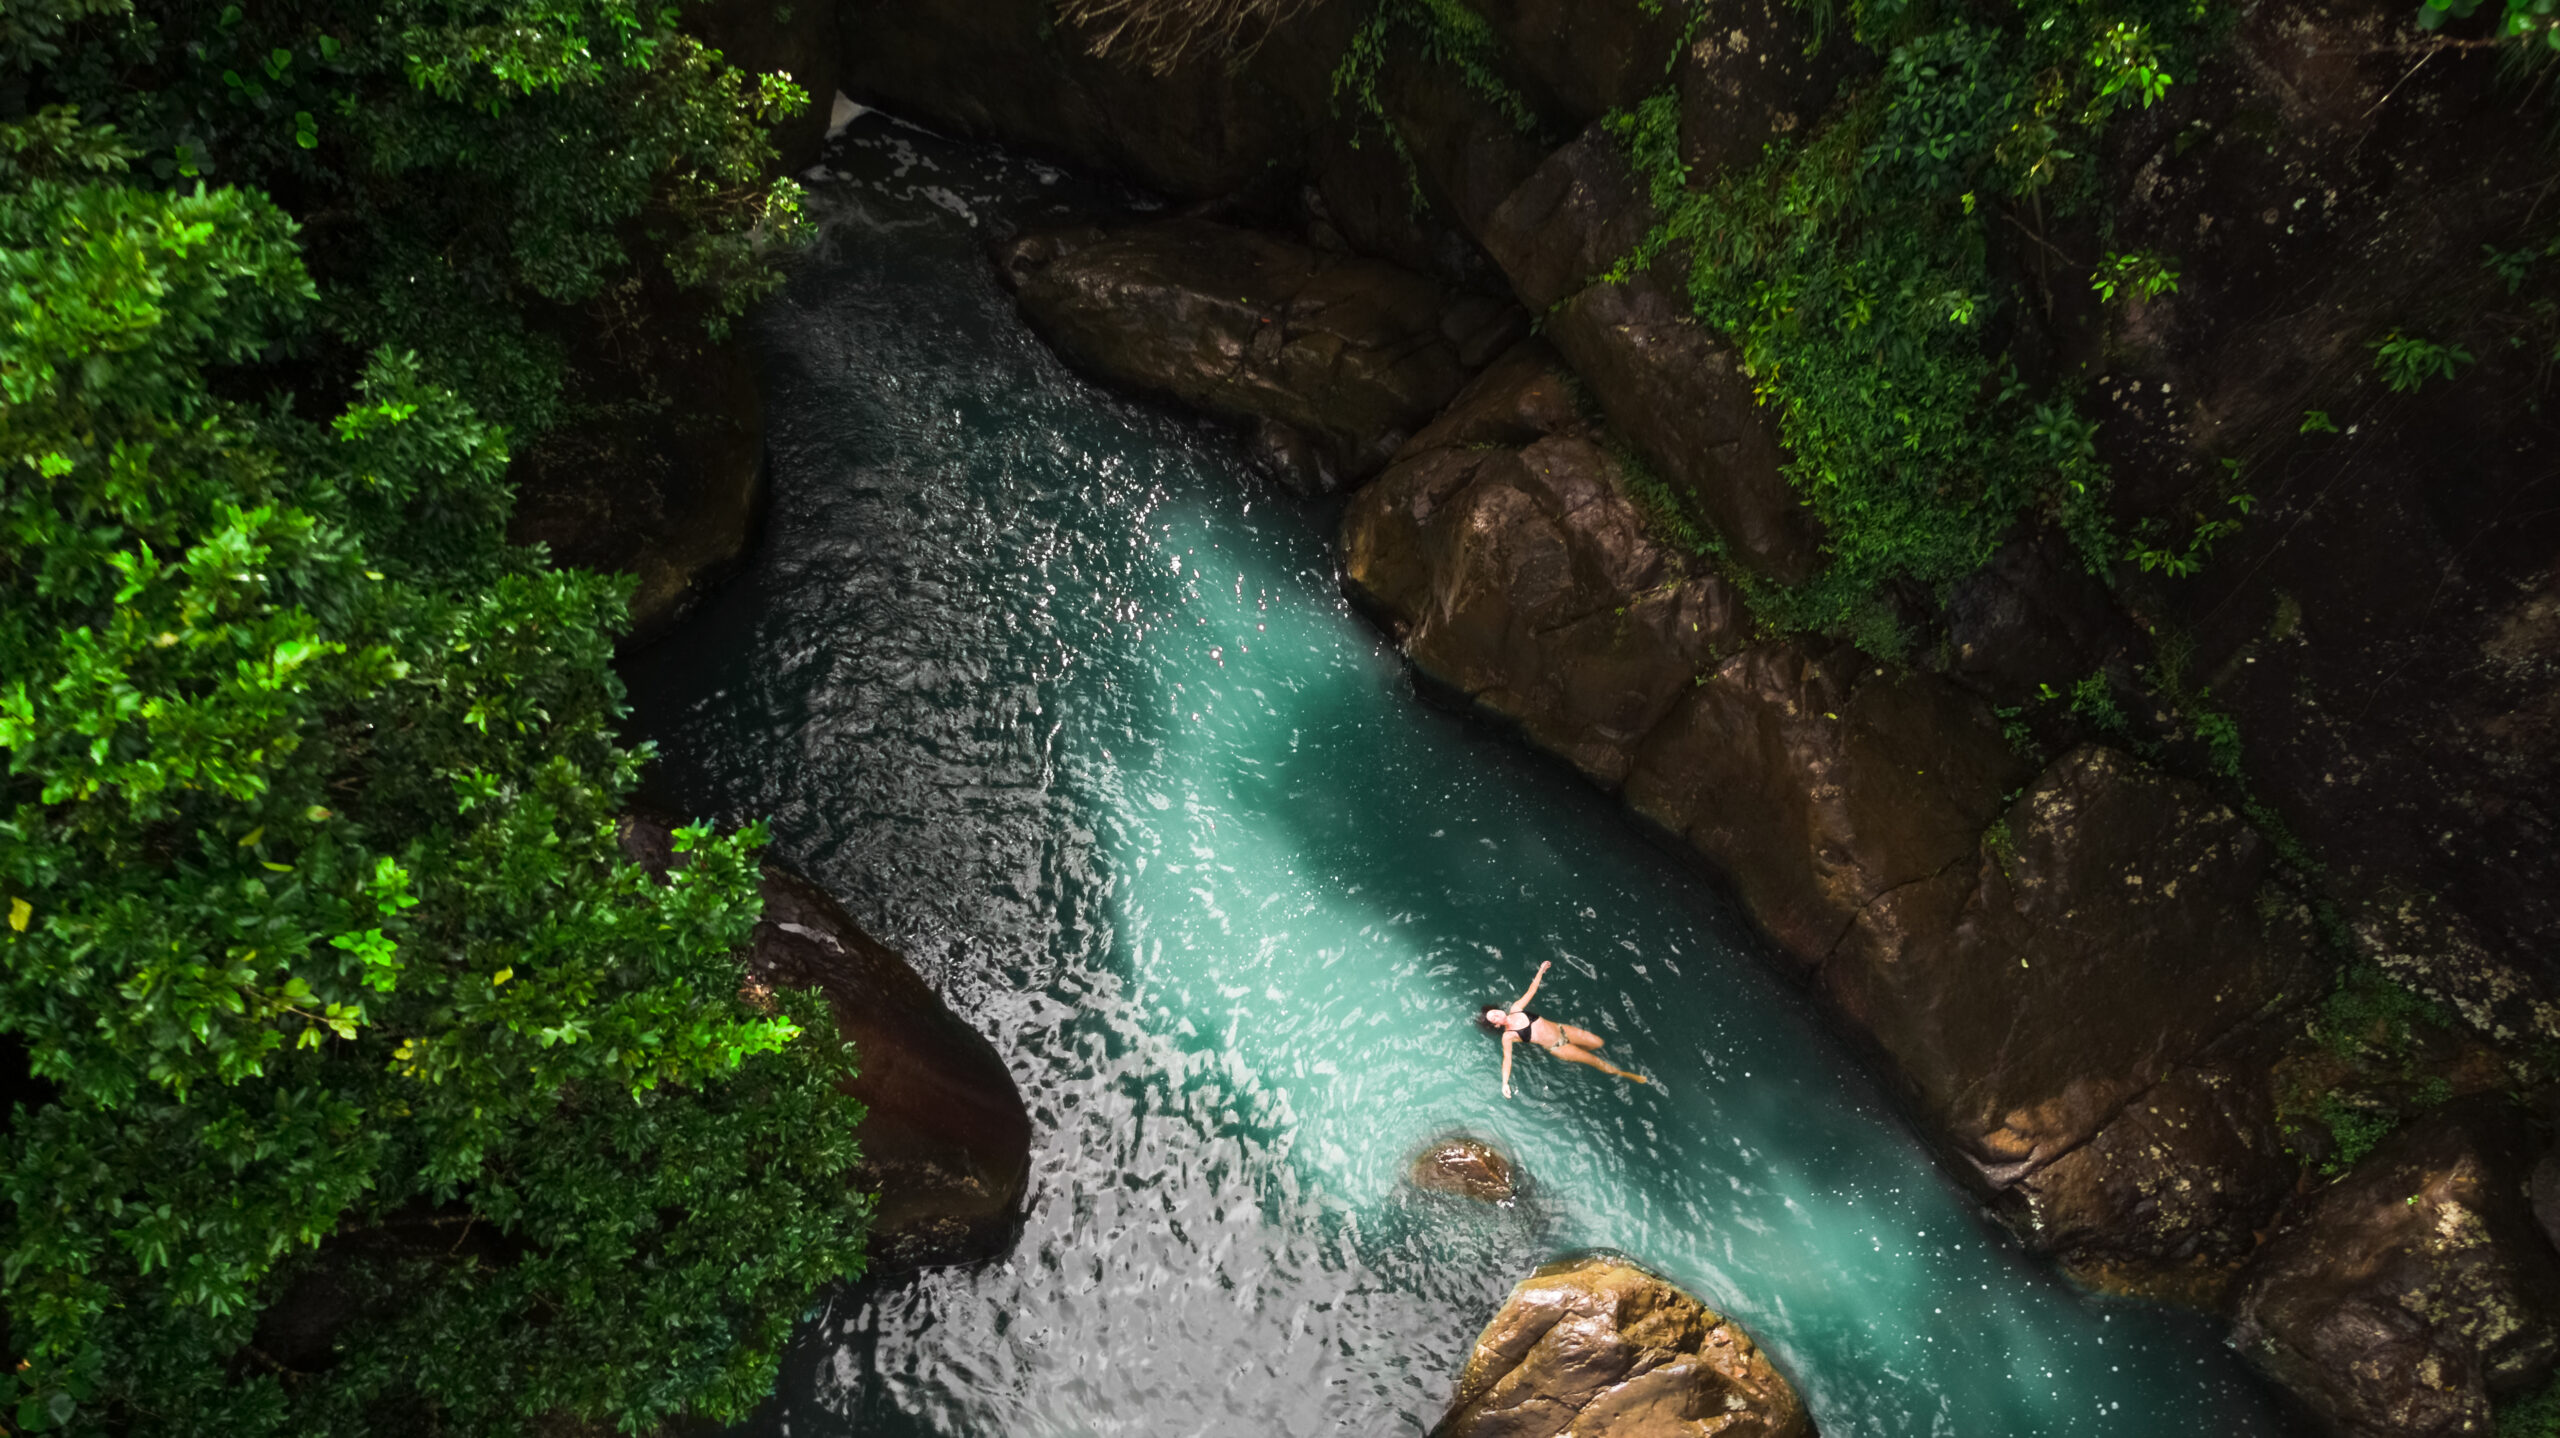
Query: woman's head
point(1491, 1019)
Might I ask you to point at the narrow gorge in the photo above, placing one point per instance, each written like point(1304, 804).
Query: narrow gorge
point(856, 717)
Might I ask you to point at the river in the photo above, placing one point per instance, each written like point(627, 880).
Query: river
point(1067, 704)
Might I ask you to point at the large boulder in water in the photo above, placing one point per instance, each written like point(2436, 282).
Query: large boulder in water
point(1598, 1348)
point(2169, 1195)
point(946, 1139)
point(1506, 553)
point(2408, 1297)
point(1821, 781)
point(1339, 359)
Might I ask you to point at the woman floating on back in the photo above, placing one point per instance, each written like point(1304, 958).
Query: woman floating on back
point(1564, 1041)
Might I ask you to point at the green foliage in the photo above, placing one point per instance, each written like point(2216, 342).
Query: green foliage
point(461, 168)
point(1853, 270)
point(2150, 545)
point(1442, 32)
point(2406, 361)
point(2534, 1415)
point(2221, 734)
point(1661, 511)
point(2354, 1131)
point(2370, 1017)
point(318, 928)
point(2523, 21)
point(2137, 272)
point(2094, 699)
point(2015, 732)
point(2370, 1037)
point(2514, 267)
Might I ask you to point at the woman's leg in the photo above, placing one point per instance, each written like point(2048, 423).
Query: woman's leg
point(1573, 1055)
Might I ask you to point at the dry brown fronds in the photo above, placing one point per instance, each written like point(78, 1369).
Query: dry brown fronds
point(1160, 34)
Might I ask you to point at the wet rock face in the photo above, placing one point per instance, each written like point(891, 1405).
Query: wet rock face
point(2037, 974)
point(2382, 631)
point(1672, 386)
point(2167, 1197)
point(1010, 70)
point(1504, 553)
point(2033, 612)
point(1339, 359)
point(946, 1140)
point(1821, 781)
point(1597, 1348)
point(1467, 1167)
point(2118, 923)
point(2408, 1296)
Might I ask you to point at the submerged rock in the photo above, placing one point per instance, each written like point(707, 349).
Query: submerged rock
point(2404, 1299)
point(946, 1140)
point(1339, 359)
point(1597, 1348)
point(1467, 1167)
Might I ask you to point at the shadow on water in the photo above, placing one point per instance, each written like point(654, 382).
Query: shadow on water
point(1069, 707)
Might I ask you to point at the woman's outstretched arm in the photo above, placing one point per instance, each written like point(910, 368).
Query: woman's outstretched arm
point(1510, 1041)
point(1531, 992)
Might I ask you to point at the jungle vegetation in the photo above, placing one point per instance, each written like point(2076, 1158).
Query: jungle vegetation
point(359, 1083)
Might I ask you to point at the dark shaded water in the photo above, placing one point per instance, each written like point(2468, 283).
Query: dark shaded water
point(1071, 708)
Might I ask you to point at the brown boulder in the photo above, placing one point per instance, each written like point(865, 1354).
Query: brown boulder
point(1597, 1348)
point(1820, 781)
point(1754, 74)
point(2168, 1197)
point(2030, 972)
point(1587, 57)
point(1339, 358)
point(1467, 1167)
point(946, 1140)
point(1504, 553)
point(2118, 923)
point(1675, 388)
point(1010, 70)
point(2404, 1299)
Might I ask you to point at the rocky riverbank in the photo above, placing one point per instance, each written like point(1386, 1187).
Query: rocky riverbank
point(2082, 857)
point(946, 1140)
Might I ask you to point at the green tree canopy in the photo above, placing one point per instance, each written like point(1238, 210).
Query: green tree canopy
point(383, 1093)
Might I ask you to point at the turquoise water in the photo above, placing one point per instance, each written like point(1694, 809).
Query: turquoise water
point(1070, 708)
